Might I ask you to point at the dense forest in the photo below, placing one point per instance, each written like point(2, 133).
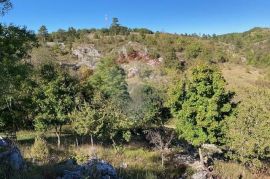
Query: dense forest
point(152, 104)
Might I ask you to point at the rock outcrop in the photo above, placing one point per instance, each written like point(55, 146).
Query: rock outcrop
point(87, 55)
point(94, 168)
point(11, 155)
point(134, 51)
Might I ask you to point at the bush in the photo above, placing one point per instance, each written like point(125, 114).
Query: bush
point(231, 170)
point(193, 50)
point(40, 150)
point(248, 131)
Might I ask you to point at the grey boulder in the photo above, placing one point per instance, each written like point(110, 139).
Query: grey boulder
point(94, 168)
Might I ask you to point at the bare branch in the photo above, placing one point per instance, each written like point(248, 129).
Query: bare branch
point(160, 138)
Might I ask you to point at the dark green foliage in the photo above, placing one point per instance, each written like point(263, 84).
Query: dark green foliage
point(117, 29)
point(15, 42)
point(143, 31)
point(104, 114)
point(54, 97)
point(176, 96)
point(205, 105)
point(172, 61)
point(148, 108)
point(43, 34)
point(109, 80)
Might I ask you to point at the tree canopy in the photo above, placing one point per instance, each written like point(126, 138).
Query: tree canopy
point(203, 106)
point(55, 97)
point(15, 44)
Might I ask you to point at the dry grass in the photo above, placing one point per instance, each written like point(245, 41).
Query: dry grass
point(235, 171)
point(133, 157)
point(240, 76)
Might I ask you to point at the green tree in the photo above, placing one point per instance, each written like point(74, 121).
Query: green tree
point(109, 79)
point(43, 34)
point(117, 29)
point(55, 97)
point(59, 35)
point(102, 119)
point(107, 96)
point(147, 107)
point(115, 22)
point(85, 120)
point(176, 96)
point(202, 107)
point(114, 122)
point(15, 43)
point(248, 131)
point(171, 60)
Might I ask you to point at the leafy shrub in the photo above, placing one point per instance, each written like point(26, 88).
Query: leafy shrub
point(248, 131)
point(231, 170)
point(193, 50)
point(40, 149)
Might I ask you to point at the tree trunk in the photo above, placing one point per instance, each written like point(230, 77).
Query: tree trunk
point(162, 159)
point(201, 156)
point(58, 134)
point(77, 142)
point(58, 139)
point(92, 143)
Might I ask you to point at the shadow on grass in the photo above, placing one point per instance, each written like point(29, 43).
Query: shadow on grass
point(66, 139)
point(52, 171)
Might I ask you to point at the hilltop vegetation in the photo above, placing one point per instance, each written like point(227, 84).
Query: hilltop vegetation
point(252, 45)
point(144, 99)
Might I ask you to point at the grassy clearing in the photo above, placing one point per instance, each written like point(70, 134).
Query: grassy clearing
point(134, 160)
point(240, 76)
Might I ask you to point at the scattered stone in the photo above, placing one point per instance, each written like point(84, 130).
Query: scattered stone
point(200, 175)
point(243, 59)
point(132, 72)
point(52, 44)
point(185, 159)
point(211, 148)
point(123, 165)
point(94, 168)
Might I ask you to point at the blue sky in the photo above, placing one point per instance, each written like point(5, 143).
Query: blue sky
point(175, 16)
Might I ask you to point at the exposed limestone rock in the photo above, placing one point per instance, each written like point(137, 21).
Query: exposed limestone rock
point(94, 168)
point(52, 44)
point(132, 72)
point(87, 55)
point(200, 175)
point(134, 51)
